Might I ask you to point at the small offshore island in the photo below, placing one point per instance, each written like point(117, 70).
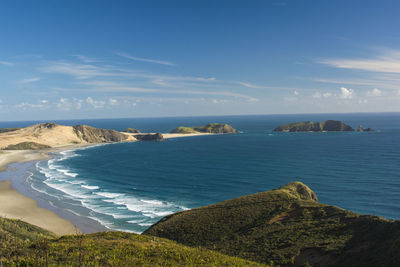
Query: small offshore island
point(325, 126)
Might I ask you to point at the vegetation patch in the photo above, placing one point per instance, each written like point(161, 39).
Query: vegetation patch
point(24, 245)
point(27, 146)
point(286, 226)
point(131, 130)
point(6, 130)
point(216, 128)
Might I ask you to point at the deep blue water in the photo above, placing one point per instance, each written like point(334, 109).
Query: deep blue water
point(129, 186)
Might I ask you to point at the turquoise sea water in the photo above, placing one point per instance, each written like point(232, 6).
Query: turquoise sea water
point(129, 186)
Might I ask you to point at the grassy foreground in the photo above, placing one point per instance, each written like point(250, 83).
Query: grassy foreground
point(288, 227)
point(25, 245)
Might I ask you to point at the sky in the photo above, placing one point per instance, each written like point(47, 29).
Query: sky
point(119, 59)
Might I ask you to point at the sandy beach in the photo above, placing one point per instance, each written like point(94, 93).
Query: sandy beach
point(15, 205)
point(18, 206)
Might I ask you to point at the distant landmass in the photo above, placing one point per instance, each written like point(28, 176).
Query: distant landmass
point(216, 128)
point(309, 126)
point(50, 135)
point(288, 227)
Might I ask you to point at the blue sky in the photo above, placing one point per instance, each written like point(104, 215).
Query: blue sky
point(113, 59)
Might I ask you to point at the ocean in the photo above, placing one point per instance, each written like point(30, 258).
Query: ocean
point(130, 186)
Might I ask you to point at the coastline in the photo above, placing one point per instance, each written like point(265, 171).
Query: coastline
point(18, 201)
point(16, 205)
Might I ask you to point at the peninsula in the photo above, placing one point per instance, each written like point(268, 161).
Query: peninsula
point(51, 135)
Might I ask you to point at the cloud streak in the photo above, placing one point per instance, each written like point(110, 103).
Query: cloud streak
point(29, 80)
point(6, 63)
point(387, 62)
point(162, 62)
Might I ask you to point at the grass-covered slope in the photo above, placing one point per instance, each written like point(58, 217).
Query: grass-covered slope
point(217, 128)
point(16, 235)
point(287, 226)
point(26, 146)
point(22, 244)
point(7, 130)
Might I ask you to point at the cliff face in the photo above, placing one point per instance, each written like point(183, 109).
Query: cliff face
point(287, 226)
point(96, 135)
point(216, 128)
point(309, 126)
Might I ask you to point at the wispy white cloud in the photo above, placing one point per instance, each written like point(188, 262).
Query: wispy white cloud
point(321, 95)
point(86, 59)
point(95, 103)
point(374, 92)
point(346, 93)
point(66, 104)
point(249, 85)
point(162, 62)
point(387, 61)
point(29, 80)
point(113, 102)
point(6, 63)
point(107, 86)
point(79, 71)
point(29, 106)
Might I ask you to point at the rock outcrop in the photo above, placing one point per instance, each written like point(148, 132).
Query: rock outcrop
point(288, 227)
point(361, 129)
point(216, 128)
point(131, 130)
point(97, 135)
point(149, 137)
point(309, 126)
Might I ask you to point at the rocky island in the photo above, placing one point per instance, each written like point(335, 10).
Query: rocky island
point(362, 129)
point(309, 126)
point(216, 128)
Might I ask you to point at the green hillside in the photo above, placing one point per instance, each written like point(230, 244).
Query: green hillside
point(22, 244)
point(287, 226)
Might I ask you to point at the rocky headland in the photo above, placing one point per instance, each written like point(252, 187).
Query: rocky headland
point(286, 226)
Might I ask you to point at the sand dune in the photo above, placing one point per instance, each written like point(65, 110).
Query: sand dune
point(54, 135)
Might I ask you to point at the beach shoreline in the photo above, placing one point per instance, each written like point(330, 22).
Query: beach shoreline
point(19, 203)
